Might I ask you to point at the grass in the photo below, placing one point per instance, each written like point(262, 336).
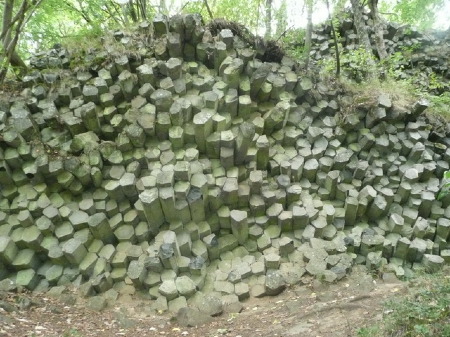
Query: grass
point(439, 106)
point(366, 93)
point(424, 312)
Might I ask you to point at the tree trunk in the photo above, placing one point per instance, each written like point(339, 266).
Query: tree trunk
point(7, 20)
point(132, 11)
point(378, 29)
point(361, 28)
point(308, 34)
point(268, 20)
point(142, 5)
point(8, 42)
point(336, 45)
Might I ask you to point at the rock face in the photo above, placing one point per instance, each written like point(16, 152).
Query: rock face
point(197, 171)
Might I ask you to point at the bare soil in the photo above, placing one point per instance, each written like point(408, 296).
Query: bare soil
point(313, 309)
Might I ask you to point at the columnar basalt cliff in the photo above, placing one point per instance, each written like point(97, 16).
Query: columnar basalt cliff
point(191, 170)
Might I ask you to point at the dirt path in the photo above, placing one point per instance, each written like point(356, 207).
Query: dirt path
point(311, 310)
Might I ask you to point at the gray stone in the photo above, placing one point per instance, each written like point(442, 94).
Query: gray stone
point(168, 289)
point(137, 273)
point(191, 317)
point(97, 303)
point(152, 209)
point(176, 304)
point(74, 251)
point(185, 286)
point(432, 263)
point(239, 225)
point(274, 283)
point(8, 250)
point(100, 228)
point(27, 278)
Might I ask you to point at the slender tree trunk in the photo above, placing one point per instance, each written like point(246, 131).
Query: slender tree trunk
point(378, 29)
point(361, 28)
point(336, 45)
point(132, 11)
point(142, 4)
point(268, 20)
point(308, 34)
point(205, 2)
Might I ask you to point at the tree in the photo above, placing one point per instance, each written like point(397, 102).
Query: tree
point(378, 29)
point(336, 45)
point(208, 9)
point(309, 28)
point(419, 13)
point(361, 28)
point(14, 19)
point(268, 19)
point(281, 19)
point(246, 12)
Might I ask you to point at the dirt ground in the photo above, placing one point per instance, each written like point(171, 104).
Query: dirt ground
point(313, 309)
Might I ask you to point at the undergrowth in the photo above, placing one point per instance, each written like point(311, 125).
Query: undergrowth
point(402, 93)
point(440, 105)
point(424, 312)
point(98, 48)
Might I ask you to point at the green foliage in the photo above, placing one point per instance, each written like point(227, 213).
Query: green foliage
point(246, 12)
point(425, 312)
point(293, 43)
point(281, 19)
point(436, 82)
point(440, 104)
point(56, 21)
point(196, 6)
point(368, 331)
point(358, 64)
point(419, 13)
point(395, 64)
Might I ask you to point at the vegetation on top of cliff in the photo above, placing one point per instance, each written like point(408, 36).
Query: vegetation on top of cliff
point(362, 61)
